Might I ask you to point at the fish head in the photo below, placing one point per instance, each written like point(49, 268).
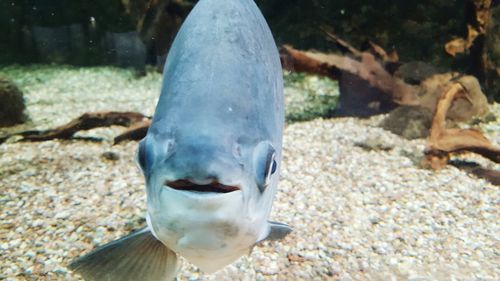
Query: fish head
point(209, 165)
point(209, 192)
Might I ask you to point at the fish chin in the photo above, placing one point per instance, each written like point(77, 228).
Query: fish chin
point(209, 229)
point(210, 266)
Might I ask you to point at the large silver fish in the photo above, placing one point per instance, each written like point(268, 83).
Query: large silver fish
point(212, 155)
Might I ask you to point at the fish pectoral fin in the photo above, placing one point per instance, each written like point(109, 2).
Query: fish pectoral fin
point(277, 231)
point(137, 256)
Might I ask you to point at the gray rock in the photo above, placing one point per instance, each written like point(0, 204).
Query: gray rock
point(374, 144)
point(410, 122)
point(462, 110)
point(415, 72)
point(11, 104)
point(110, 155)
point(359, 98)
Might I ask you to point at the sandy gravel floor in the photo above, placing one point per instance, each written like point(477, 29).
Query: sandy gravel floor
point(357, 214)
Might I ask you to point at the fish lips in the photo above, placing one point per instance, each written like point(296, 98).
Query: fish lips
point(212, 187)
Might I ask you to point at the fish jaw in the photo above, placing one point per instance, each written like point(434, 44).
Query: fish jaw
point(211, 230)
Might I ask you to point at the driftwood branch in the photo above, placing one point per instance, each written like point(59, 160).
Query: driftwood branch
point(343, 45)
point(370, 47)
point(460, 45)
point(442, 142)
point(366, 67)
point(391, 57)
point(480, 11)
point(86, 121)
point(136, 132)
point(299, 61)
point(370, 67)
point(480, 31)
point(492, 176)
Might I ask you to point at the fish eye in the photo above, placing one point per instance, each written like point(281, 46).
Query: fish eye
point(265, 164)
point(270, 166)
point(274, 167)
point(141, 156)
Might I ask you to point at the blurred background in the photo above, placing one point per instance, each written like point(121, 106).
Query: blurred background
point(135, 33)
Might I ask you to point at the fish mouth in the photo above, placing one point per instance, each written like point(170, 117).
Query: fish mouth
point(213, 187)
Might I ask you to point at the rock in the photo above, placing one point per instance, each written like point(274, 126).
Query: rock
point(410, 122)
point(462, 110)
point(358, 98)
point(11, 104)
point(413, 122)
point(295, 257)
point(110, 155)
point(344, 246)
point(381, 248)
point(374, 143)
point(374, 220)
point(415, 156)
point(415, 72)
point(476, 120)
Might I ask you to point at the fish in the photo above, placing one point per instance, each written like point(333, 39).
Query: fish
point(212, 155)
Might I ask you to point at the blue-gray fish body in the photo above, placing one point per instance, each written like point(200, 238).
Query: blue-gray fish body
point(211, 157)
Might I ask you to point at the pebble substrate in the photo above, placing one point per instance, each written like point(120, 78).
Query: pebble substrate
point(357, 214)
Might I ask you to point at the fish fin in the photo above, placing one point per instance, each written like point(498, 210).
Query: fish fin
point(137, 256)
point(277, 231)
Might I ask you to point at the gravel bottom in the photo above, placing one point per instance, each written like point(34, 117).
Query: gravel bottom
point(357, 213)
